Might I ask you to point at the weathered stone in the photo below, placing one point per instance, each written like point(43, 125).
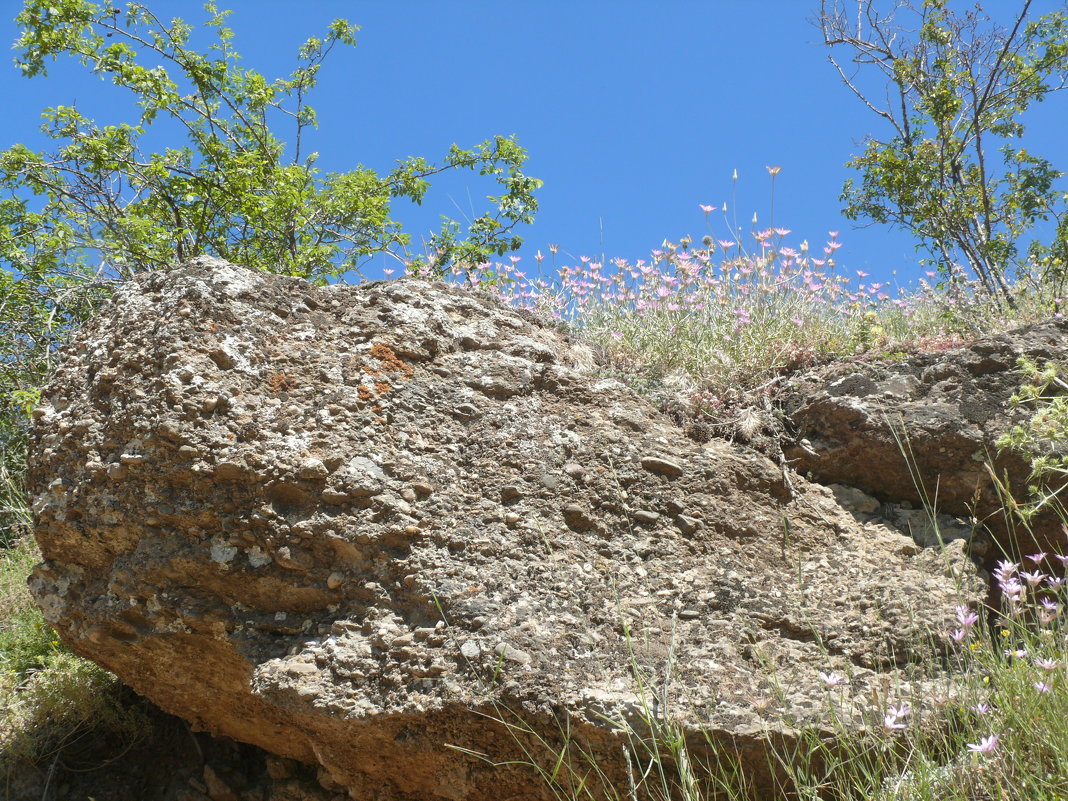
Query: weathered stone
point(687, 525)
point(947, 409)
point(279, 606)
point(665, 467)
point(577, 518)
point(217, 788)
point(854, 500)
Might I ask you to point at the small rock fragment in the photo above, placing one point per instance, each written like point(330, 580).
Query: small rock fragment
point(664, 467)
point(468, 410)
point(333, 497)
point(687, 525)
point(549, 481)
point(576, 471)
point(511, 654)
point(218, 790)
point(577, 519)
point(313, 470)
point(229, 471)
point(854, 500)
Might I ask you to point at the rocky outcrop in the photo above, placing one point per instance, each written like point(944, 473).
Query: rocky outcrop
point(854, 421)
point(361, 527)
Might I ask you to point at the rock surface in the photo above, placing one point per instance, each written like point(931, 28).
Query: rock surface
point(952, 406)
point(358, 526)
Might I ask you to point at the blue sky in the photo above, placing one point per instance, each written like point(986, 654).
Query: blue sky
point(633, 112)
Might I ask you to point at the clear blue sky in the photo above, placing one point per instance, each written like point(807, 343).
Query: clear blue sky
point(633, 112)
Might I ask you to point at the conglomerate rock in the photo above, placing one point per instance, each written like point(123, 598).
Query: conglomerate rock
point(855, 421)
point(360, 526)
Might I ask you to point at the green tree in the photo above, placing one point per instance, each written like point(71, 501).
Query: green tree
point(952, 87)
point(230, 186)
point(99, 207)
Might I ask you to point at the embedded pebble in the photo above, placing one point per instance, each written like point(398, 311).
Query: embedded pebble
point(507, 652)
point(665, 467)
point(313, 469)
point(687, 525)
point(574, 470)
point(578, 518)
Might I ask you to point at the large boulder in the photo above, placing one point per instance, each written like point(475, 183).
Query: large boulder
point(359, 527)
point(855, 421)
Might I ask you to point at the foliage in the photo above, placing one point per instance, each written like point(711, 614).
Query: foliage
point(1043, 438)
point(36, 311)
point(956, 86)
point(26, 641)
point(67, 706)
point(50, 697)
point(233, 189)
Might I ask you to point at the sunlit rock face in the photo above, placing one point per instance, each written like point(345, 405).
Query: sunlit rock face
point(360, 526)
point(946, 408)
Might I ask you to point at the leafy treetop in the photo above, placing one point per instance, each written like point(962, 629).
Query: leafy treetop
point(955, 86)
point(230, 186)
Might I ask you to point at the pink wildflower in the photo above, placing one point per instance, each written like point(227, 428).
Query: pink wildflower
point(892, 719)
point(1034, 578)
point(832, 679)
point(966, 617)
point(984, 746)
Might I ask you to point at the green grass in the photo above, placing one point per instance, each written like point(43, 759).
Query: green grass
point(26, 642)
point(54, 704)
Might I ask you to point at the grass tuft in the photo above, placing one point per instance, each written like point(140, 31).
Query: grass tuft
point(55, 705)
